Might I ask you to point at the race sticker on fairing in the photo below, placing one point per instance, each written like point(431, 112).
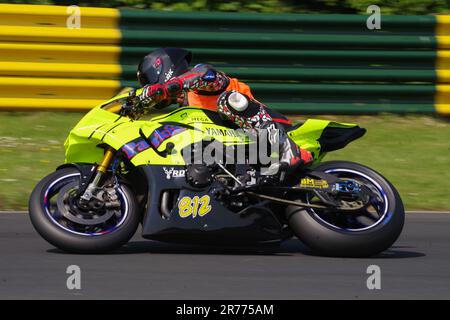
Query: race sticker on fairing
point(134, 147)
point(157, 137)
point(195, 206)
point(163, 133)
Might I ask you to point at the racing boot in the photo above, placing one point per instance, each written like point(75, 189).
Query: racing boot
point(291, 156)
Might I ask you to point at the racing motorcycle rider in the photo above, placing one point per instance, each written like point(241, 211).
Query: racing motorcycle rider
point(166, 79)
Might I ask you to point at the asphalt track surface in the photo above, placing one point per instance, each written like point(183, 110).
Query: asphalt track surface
point(416, 267)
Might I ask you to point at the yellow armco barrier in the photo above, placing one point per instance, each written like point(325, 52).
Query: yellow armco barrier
point(443, 42)
point(48, 63)
point(57, 16)
point(443, 59)
point(442, 99)
point(443, 75)
point(59, 34)
point(442, 109)
point(39, 88)
point(442, 96)
point(443, 31)
point(63, 70)
point(48, 104)
point(60, 53)
point(68, 57)
point(442, 25)
point(52, 93)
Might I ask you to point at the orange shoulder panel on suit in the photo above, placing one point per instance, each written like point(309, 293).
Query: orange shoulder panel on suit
point(210, 102)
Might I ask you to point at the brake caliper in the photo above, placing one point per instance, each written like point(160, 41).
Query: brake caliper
point(350, 194)
point(347, 186)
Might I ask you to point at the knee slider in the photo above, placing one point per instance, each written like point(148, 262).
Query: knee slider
point(238, 101)
point(235, 100)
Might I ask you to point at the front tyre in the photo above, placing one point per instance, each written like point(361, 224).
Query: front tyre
point(56, 218)
point(351, 234)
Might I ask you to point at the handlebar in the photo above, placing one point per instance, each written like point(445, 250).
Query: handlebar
point(128, 104)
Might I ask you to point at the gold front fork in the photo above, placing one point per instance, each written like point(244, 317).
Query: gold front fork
point(101, 170)
point(109, 155)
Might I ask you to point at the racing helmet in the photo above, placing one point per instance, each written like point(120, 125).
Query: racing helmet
point(162, 64)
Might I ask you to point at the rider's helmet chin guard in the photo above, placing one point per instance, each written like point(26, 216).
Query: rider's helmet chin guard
point(163, 64)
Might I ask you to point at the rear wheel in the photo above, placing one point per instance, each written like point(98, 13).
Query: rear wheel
point(58, 219)
point(364, 232)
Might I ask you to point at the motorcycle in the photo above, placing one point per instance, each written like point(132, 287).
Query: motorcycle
point(121, 171)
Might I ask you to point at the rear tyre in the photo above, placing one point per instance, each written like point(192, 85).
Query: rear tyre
point(361, 235)
point(80, 232)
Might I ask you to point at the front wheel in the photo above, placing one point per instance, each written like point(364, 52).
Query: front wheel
point(365, 232)
point(57, 218)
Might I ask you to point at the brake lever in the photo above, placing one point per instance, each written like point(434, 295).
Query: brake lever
point(132, 107)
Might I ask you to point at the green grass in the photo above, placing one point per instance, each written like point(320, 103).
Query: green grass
point(413, 152)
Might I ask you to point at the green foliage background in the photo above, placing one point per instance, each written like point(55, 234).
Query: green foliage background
point(418, 7)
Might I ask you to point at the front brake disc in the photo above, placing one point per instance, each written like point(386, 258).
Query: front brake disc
point(76, 215)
